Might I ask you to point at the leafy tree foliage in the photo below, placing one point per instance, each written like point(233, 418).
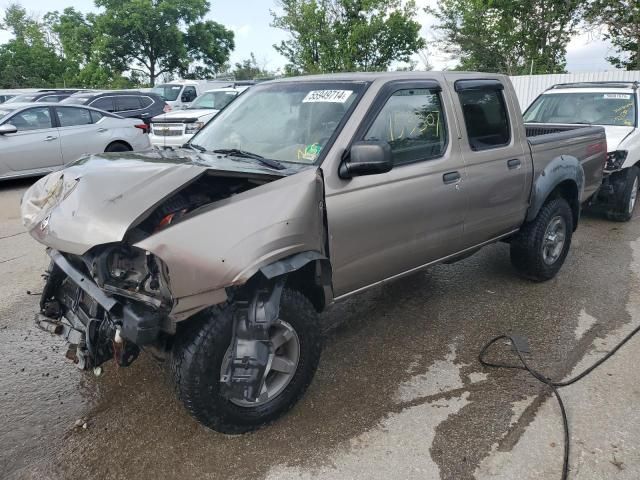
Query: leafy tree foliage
point(150, 34)
point(622, 21)
point(507, 36)
point(346, 35)
point(249, 69)
point(145, 38)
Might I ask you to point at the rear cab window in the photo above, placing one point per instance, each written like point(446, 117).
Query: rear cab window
point(485, 113)
point(412, 123)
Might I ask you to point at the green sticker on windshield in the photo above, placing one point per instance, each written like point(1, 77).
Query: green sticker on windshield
point(310, 152)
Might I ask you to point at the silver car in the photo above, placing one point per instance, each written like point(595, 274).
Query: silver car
point(37, 138)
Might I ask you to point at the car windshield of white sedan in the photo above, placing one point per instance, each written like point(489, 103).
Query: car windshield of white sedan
point(289, 122)
point(167, 91)
point(602, 108)
point(24, 98)
point(213, 100)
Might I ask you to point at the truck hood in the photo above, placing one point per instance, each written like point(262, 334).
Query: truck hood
point(182, 115)
point(98, 198)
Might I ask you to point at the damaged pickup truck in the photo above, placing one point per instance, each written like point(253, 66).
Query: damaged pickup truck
point(219, 256)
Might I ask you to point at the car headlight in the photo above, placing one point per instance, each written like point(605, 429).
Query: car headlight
point(615, 159)
point(44, 195)
point(193, 127)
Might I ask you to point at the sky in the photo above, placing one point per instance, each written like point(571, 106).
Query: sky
point(250, 20)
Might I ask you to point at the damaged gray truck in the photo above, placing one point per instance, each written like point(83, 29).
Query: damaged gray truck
point(219, 256)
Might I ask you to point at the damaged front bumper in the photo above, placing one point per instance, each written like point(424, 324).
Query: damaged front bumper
point(97, 326)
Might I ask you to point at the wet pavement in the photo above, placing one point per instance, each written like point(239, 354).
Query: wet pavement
point(398, 394)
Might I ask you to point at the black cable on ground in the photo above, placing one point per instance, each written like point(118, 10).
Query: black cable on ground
point(547, 381)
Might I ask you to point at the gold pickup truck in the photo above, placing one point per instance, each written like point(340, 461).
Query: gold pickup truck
point(299, 194)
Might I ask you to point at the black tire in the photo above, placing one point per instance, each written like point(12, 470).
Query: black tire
point(199, 352)
point(118, 147)
point(527, 245)
point(623, 210)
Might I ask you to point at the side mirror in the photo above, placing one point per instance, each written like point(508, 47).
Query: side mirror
point(367, 158)
point(8, 128)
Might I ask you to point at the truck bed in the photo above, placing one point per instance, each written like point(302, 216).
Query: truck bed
point(548, 142)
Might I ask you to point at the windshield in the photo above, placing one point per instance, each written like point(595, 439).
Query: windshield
point(581, 107)
point(288, 122)
point(24, 98)
point(213, 100)
point(4, 112)
point(167, 91)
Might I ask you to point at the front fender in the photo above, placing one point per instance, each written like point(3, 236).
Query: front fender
point(561, 169)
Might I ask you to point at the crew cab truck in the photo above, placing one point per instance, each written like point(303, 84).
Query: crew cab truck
point(301, 193)
point(614, 106)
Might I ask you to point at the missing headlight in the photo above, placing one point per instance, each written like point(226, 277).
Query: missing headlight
point(615, 160)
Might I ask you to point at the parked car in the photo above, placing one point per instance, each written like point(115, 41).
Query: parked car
point(301, 193)
point(125, 103)
point(46, 96)
point(37, 138)
point(175, 128)
point(614, 106)
point(180, 93)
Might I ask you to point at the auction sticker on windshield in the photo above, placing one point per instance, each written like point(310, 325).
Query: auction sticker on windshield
point(621, 96)
point(331, 96)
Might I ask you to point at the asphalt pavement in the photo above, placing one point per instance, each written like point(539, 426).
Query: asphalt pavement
point(399, 392)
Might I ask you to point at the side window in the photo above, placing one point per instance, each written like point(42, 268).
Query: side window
point(486, 119)
point(127, 102)
point(37, 118)
point(49, 98)
point(71, 117)
point(103, 103)
point(146, 102)
point(189, 94)
point(96, 116)
point(412, 122)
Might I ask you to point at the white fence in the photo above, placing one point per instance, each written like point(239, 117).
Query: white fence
point(528, 87)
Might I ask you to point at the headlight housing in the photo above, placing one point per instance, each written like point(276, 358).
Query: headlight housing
point(193, 127)
point(44, 195)
point(615, 160)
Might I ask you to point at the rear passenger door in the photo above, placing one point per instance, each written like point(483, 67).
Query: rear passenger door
point(104, 103)
point(388, 224)
point(78, 133)
point(128, 105)
point(498, 168)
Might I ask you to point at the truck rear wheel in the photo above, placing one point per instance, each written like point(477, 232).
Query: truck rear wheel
point(540, 247)
point(199, 354)
point(626, 198)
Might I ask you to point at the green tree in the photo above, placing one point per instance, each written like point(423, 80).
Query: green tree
point(249, 69)
point(508, 36)
point(621, 19)
point(347, 35)
point(30, 58)
point(160, 36)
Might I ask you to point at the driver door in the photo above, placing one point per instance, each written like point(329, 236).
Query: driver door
point(385, 225)
point(35, 147)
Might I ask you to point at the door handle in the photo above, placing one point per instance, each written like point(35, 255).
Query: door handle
point(49, 138)
point(514, 163)
point(451, 177)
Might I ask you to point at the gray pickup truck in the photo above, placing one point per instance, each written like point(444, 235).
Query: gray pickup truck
point(304, 191)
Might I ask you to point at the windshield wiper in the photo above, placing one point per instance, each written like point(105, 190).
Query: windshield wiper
point(244, 154)
point(196, 147)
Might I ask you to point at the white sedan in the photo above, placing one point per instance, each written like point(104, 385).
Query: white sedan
point(37, 138)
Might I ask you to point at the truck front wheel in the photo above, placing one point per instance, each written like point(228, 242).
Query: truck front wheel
point(198, 361)
point(540, 247)
point(626, 196)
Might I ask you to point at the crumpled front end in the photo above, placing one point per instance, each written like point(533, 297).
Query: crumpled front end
point(135, 251)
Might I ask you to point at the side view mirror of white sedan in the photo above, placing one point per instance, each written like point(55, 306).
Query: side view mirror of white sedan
point(8, 128)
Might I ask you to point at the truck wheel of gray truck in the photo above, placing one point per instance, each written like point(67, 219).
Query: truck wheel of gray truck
point(540, 247)
point(199, 353)
point(627, 195)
